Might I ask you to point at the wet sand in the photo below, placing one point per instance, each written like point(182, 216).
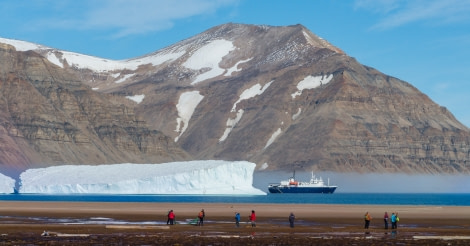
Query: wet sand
point(98, 223)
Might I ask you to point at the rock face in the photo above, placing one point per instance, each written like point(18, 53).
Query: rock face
point(48, 116)
point(280, 97)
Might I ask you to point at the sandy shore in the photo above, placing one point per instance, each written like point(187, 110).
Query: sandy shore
point(88, 223)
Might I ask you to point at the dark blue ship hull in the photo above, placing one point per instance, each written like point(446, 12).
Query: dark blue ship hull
point(296, 189)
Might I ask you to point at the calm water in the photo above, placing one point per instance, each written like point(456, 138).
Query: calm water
point(451, 199)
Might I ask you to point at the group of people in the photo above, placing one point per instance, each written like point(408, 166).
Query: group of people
point(201, 215)
point(367, 218)
point(171, 218)
point(252, 218)
point(393, 220)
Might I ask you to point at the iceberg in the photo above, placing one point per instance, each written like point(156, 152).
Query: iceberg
point(7, 184)
point(193, 177)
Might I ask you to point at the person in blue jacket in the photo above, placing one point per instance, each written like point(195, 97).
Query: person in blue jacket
point(237, 219)
point(393, 219)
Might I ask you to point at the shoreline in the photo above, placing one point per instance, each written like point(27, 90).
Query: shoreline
point(158, 211)
point(410, 210)
point(145, 223)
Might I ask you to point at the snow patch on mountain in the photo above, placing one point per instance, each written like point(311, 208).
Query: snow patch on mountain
point(187, 103)
point(102, 65)
point(193, 177)
point(253, 91)
point(7, 184)
point(136, 98)
point(235, 68)
point(273, 137)
point(264, 166)
point(22, 45)
point(309, 38)
point(53, 59)
point(124, 78)
point(320, 42)
point(209, 56)
point(311, 82)
point(231, 123)
point(93, 63)
point(296, 115)
point(114, 75)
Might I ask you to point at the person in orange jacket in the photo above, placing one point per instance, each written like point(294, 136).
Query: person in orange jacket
point(201, 216)
point(367, 219)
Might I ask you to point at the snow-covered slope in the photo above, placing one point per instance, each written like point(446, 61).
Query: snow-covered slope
point(208, 57)
point(59, 57)
point(194, 177)
point(7, 184)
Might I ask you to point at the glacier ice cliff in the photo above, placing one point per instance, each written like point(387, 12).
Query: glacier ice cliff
point(193, 177)
point(7, 184)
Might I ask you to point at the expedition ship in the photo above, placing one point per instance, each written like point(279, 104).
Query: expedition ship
point(316, 185)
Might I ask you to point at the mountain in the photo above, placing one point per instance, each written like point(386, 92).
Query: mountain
point(280, 97)
point(49, 117)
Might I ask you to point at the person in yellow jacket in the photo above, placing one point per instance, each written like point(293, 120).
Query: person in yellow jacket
point(367, 219)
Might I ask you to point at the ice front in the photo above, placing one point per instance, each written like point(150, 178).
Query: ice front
point(193, 177)
point(7, 184)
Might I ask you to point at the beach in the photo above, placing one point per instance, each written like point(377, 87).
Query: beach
point(121, 223)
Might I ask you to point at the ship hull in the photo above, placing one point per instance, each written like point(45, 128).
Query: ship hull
point(294, 189)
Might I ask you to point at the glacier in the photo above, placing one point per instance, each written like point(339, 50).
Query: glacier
point(7, 184)
point(213, 177)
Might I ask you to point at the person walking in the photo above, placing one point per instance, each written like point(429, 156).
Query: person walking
point(393, 219)
point(253, 218)
point(367, 219)
point(396, 222)
point(171, 217)
point(237, 219)
point(291, 220)
point(168, 218)
point(386, 220)
point(201, 216)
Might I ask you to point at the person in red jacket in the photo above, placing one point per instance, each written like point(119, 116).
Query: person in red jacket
point(171, 217)
point(386, 220)
point(253, 218)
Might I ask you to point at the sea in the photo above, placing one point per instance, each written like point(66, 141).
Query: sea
point(423, 199)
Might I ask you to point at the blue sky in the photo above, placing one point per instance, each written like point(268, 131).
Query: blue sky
point(423, 42)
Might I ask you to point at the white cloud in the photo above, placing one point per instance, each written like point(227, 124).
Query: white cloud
point(399, 13)
point(377, 6)
point(123, 17)
point(441, 86)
